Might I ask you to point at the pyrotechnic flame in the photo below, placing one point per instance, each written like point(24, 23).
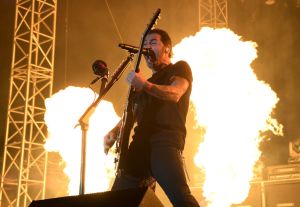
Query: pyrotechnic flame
point(232, 105)
point(63, 111)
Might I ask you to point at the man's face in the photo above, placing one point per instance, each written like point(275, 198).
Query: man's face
point(154, 42)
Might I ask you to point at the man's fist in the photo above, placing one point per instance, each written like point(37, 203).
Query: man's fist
point(136, 80)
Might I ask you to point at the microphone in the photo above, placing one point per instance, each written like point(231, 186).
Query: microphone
point(100, 69)
point(133, 49)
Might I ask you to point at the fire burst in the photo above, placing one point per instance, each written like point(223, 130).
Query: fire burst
point(63, 111)
point(230, 102)
point(233, 107)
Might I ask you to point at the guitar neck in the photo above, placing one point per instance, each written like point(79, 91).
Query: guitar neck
point(128, 114)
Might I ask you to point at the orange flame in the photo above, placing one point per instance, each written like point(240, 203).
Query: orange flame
point(233, 107)
point(63, 110)
point(231, 104)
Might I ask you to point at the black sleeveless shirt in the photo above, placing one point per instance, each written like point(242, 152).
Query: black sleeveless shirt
point(165, 118)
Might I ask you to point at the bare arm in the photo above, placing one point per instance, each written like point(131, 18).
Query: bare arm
point(116, 129)
point(110, 138)
point(171, 92)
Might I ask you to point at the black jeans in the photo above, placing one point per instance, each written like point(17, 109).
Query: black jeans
point(165, 166)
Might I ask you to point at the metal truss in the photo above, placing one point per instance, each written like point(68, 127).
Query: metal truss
point(213, 13)
point(24, 167)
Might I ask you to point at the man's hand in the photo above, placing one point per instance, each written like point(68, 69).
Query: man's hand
point(136, 80)
point(109, 140)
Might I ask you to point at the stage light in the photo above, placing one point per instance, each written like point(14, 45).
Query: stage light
point(270, 2)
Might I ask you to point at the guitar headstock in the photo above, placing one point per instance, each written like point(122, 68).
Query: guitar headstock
point(153, 21)
point(149, 27)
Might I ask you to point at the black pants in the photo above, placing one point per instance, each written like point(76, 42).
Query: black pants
point(159, 159)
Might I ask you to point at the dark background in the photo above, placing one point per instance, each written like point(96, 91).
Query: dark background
point(86, 32)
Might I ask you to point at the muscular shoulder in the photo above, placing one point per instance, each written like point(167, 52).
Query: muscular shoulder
point(182, 69)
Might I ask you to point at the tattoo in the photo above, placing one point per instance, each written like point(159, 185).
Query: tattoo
point(171, 92)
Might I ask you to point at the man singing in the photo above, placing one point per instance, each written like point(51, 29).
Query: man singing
point(161, 103)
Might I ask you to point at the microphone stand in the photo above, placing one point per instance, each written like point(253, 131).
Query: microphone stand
point(84, 119)
point(104, 80)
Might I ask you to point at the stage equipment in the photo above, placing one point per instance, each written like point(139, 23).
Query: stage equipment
point(135, 197)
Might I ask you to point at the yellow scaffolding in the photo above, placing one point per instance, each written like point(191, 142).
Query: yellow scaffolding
point(24, 166)
point(213, 13)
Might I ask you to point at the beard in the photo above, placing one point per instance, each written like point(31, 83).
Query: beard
point(154, 63)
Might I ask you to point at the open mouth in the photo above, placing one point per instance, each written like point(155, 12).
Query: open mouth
point(149, 59)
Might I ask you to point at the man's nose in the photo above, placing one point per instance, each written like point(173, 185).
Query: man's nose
point(147, 46)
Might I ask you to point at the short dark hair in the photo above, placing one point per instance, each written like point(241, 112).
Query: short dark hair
point(165, 38)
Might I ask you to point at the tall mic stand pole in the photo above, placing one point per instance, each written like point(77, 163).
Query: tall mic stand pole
point(104, 80)
point(84, 119)
point(84, 129)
